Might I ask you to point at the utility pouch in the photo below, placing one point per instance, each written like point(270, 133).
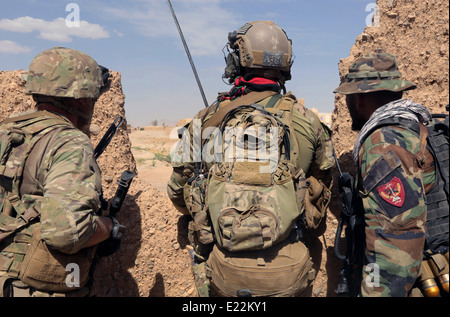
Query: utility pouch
point(195, 197)
point(283, 270)
point(317, 199)
point(50, 270)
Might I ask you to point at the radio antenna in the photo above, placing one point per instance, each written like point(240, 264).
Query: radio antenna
point(188, 54)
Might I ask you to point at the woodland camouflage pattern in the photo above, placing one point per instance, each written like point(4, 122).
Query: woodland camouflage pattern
point(375, 72)
point(392, 186)
point(61, 72)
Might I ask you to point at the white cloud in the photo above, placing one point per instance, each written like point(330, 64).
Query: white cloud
point(56, 30)
point(13, 48)
point(204, 23)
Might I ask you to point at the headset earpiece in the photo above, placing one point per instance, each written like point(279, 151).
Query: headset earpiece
point(233, 68)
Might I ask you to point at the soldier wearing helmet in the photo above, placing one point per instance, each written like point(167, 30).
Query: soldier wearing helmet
point(55, 217)
point(258, 64)
point(395, 172)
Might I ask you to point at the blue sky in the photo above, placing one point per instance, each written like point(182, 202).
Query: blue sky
point(139, 39)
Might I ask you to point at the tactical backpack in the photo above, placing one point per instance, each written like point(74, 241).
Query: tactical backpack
point(252, 202)
point(23, 254)
point(252, 199)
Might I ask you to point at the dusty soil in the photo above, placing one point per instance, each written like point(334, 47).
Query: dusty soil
point(154, 257)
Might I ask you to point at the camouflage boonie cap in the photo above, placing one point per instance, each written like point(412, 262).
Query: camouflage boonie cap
point(375, 72)
point(63, 72)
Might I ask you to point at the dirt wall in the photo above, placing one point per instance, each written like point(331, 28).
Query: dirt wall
point(154, 258)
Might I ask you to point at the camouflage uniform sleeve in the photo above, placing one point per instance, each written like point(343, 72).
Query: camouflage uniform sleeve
point(182, 157)
point(395, 213)
point(72, 189)
point(175, 188)
point(183, 169)
point(315, 146)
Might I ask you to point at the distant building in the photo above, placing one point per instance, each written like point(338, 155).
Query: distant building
point(323, 116)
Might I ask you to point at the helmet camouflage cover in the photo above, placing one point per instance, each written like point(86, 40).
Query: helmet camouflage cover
point(375, 72)
point(63, 72)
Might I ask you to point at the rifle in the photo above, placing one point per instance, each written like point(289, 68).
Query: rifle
point(101, 146)
point(111, 245)
point(353, 216)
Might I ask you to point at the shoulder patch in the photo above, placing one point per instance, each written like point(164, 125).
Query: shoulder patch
point(388, 182)
point(393, 192)
point(395, 195)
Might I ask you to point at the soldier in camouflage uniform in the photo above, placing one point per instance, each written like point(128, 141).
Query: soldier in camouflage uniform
point(395, 170)
point(261, 66)
point(313, 137)
point(60, 191)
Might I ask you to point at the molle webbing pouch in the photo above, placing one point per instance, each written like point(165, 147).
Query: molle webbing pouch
point(200, 230)
point(252, 212)
point(283, 270)
point(50, 270)
point(316, 202)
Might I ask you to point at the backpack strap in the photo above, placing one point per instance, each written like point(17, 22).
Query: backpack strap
point(249, 99)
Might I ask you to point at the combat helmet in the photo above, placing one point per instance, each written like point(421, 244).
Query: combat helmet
point(374, 72)
point(63, 72)
point(259, 44)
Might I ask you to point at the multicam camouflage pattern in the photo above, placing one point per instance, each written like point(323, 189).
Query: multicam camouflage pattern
point(375, 72)
point(313, 151)
point(62, 182)
point(392, 185)
point(62, 72)
point(250, 210)
point(201, 279)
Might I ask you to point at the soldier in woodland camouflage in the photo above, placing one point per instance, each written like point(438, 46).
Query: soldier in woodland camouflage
point(59, 195)
point(395, 171)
